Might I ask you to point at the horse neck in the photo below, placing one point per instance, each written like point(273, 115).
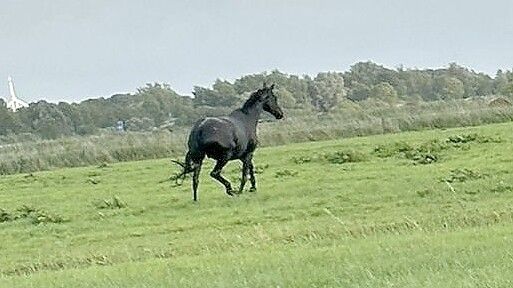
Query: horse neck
point(252, 113)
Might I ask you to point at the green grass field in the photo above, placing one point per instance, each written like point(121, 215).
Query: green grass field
point(419, 209)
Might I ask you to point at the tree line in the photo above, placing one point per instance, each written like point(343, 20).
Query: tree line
point(157, 106)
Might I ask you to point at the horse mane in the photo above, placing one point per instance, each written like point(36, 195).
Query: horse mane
point(253, 99)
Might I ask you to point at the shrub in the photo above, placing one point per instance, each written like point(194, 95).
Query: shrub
point(341, 157)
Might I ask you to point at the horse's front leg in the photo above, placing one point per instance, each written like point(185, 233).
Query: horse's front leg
point(245, 172)
point(251, 174)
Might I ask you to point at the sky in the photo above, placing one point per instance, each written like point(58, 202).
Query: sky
point(68, 50)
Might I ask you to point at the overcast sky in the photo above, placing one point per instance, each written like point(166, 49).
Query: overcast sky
point(72, 50)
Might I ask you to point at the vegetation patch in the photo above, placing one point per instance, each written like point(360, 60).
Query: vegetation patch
point(472, 137)
point(34, 215)
point(92, 180)
point(259, 169)
point(30, 268)
point(301, 159)
point(425, 158)
point(425, 193)
point(114, 203)
point(285, 173)
point(5, 216)
point(344, 156)
point(430, 151)
point(37, 215)
point(103, 165)
point(337, 157)
point(502, 188)
point(426, 153)
point(462, 175)
point(389, 150)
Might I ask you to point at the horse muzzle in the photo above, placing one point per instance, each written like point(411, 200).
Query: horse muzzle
point(278, 115)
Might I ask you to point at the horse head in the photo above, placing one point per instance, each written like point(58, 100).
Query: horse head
point(270, 103)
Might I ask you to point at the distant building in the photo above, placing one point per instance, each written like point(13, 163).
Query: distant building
point(120, 126)
point(13, 102)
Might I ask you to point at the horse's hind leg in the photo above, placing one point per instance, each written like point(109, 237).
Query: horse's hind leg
point(193, 163)
point(195, 181)
point(216, 174)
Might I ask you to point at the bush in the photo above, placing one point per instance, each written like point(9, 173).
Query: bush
point(341, 157)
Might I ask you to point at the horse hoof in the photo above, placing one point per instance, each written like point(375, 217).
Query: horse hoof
point(252, 189)
point(230, 193)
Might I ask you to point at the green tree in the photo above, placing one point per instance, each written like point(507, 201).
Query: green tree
point(507, 90)
point(285, 98)
point(48, 121)
point(223, 93)
point(327, 90)
point(447, 88)
point(9, 123)
point(500, 82)
point(359, 92)
point(370, 74)
point(385, 92)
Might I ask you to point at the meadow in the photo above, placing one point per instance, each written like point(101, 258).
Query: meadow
point(413, 209)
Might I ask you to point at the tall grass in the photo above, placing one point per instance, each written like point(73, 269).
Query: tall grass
point(352, 121)
point(364, 122)
point(91, 150)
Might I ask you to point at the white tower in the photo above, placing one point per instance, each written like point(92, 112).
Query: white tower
point(14, 103)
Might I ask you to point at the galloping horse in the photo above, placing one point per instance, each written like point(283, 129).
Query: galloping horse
point(229, 138)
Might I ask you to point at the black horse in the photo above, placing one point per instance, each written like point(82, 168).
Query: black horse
point(229, 138)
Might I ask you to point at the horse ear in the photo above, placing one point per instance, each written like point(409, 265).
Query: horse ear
point(272, 87)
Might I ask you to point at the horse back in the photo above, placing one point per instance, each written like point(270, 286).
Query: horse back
point(218, 137)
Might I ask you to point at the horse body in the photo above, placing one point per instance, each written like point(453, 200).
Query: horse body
point(227, 138)
point(219, 138)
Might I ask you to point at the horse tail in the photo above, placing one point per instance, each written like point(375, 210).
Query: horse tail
point(187, 167)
